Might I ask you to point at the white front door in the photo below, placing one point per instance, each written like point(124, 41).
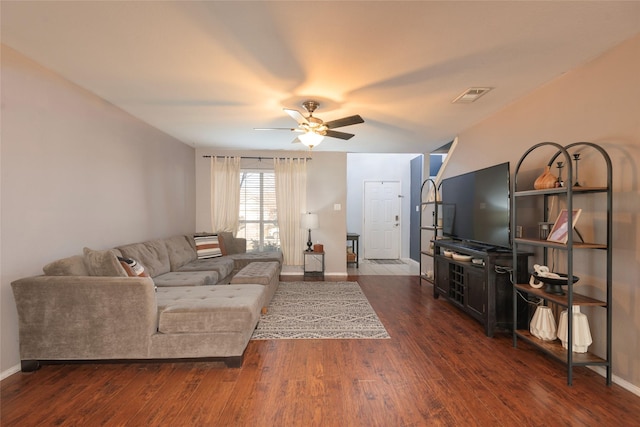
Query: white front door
point(382, 219)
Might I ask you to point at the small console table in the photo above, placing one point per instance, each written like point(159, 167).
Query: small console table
point(353, 239)
point(313, 264)
point(482, 290)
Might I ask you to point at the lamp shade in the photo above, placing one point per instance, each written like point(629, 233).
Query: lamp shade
point(309, 221)
point(310, 139)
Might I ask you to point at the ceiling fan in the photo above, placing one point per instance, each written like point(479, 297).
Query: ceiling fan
point(312, 129)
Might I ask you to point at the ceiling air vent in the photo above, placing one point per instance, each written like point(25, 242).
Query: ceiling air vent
point(471, 95)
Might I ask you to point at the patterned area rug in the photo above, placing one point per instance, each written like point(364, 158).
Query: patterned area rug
point(316, 310)
point(386, 261)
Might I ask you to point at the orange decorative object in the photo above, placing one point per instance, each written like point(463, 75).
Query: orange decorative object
point(546, 180)
point(318, 247)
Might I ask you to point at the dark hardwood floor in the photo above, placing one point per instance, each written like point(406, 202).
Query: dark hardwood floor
point(438, 368)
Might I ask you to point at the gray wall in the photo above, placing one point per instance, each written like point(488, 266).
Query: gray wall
point(417, 173)
point(75, 172)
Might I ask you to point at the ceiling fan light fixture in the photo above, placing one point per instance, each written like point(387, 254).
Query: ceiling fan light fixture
point(311, 139)
point(313, 129)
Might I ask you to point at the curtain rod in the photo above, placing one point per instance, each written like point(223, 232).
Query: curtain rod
point(263, 158)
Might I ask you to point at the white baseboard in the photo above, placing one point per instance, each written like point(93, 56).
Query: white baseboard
point(299, 273)
point(344, 275)
point(617, 380)
point(12, 370)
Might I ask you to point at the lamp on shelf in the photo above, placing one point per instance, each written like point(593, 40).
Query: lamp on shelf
point(309, 221)
point(311, 139)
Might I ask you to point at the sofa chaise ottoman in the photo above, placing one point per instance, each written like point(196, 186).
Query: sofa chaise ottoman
point(262, 273)
point(196, 322)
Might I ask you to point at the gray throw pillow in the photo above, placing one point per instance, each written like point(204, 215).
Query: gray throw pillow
point(70, 266)
point(103, 263)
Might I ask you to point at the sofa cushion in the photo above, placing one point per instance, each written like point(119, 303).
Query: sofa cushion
point(180, 251)
point(103, 263)
point(187, 278)
point(209, 309)
point(152, 254)
point(261, 273)
point(224, 266)
point(244, 259)
point(70, 266)
point(207, 246)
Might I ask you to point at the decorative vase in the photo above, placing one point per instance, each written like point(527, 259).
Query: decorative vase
point(543, 324)
point(581, 333)
point(546, 180)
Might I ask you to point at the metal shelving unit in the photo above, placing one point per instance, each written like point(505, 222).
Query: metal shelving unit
point(431, 230)
point(571, 298)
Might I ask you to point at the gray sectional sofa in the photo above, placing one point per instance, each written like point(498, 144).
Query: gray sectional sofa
point(88, 307)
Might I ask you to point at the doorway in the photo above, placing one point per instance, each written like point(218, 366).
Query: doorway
point(382, 219)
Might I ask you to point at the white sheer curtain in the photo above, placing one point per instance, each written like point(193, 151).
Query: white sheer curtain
point(291, 200)
point(225, 193)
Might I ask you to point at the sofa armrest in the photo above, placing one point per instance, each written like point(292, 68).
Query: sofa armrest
point(84, 318)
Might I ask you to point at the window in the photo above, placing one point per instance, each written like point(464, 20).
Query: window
point(258, 214)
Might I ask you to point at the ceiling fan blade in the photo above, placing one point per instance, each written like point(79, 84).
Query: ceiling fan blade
point(296, 115)
point(290, 129)
point(340, 135)
point(345, 121)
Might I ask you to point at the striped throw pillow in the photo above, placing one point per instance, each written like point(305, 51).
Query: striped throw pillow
point(133, 267)
point(207, 246)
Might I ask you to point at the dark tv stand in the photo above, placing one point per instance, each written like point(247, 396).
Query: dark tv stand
point(484, 291)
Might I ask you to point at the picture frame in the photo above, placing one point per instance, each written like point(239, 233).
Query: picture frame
point(560, 231)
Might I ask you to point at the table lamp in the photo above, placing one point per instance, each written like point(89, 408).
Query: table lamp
point(309, 221)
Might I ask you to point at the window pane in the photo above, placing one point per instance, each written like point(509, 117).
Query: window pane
point(258, 213)
point(251, 232)
point(271, 236)
point(250, 197)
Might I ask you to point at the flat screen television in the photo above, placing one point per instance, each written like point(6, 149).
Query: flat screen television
point(476, 207)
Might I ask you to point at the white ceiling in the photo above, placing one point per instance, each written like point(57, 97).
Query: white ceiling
point(209, 72)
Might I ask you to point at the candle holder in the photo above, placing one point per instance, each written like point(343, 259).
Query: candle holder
point(576, 157)
point(559, 182)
